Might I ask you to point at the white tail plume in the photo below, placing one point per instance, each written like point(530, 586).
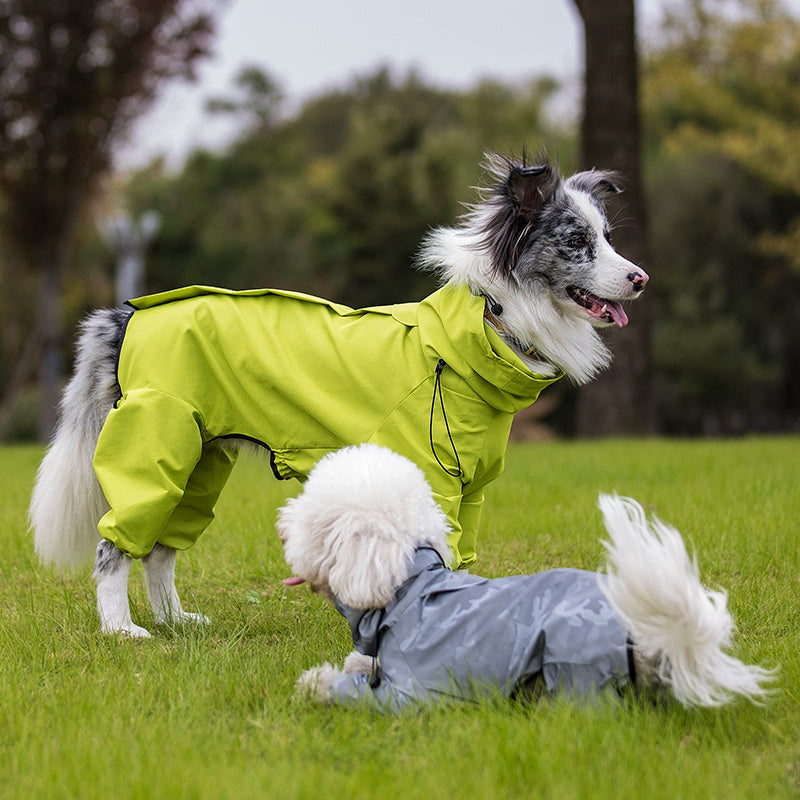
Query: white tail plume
point(676, 623)
point(67, 500)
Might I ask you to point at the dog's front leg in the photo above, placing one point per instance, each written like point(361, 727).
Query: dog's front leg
point(356, 663)
point(316, 683)
point(328, 685)
point(111, 570)
point(159, 576)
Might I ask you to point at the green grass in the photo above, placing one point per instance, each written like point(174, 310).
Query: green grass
point(209, 713)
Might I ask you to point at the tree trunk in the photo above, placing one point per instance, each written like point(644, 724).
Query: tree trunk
point(621, 401)
point(24, 368)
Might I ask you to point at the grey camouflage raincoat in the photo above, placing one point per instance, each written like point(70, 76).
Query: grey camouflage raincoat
point(452, 635)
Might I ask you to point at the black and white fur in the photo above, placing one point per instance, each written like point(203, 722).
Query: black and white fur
point(540, 249)
point(536, 246)
point(352, 533)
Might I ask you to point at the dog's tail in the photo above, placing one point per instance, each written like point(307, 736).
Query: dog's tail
point(679, 628)
point(67, 500)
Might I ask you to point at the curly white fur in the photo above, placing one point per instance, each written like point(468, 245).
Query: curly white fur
point(359, 546)
point(315, 683)
point(364, 510)
point(679, 626)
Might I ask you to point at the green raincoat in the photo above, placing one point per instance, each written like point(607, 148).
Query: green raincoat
point(302, 377)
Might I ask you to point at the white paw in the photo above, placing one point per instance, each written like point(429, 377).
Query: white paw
point(190, 618)
point(315, 683)
point(182, 618)
point(125, 629)
point(358, 664)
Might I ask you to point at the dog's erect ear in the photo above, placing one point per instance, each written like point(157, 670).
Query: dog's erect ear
point(511, 207)
point(600, 184)
point(532, 188)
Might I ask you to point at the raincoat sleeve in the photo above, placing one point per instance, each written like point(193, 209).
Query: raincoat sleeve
point(464, 538)
point(354, 690)
point(160, 481)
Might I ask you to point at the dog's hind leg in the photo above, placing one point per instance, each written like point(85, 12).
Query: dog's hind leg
point(159, 576)
point(111, 570)
point(159, 483)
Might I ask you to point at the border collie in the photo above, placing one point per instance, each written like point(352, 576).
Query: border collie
point(162, 396)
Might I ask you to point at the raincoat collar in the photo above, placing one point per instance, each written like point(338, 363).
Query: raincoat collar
point(452, 324)
point(366, 624)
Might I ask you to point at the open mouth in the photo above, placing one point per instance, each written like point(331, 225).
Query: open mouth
point(605, 310)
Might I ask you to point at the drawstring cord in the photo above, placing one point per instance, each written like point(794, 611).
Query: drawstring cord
point(437, 387)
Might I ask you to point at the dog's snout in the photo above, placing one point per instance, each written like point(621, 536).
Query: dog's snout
point(638, 279)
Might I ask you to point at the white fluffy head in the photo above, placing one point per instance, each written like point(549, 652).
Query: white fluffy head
point(353, 530)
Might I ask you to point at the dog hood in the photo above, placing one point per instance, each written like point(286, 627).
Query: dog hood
point(366, 624)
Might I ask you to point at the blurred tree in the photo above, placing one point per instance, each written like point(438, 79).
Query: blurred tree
point(411, 157)
point(73, 76)
point(334, 199)
point(722, 105)
point(620, 401)
point(248, 216)
point(259, 103)
point(386, 193)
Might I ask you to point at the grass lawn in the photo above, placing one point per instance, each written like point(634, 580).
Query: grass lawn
point(208, 713)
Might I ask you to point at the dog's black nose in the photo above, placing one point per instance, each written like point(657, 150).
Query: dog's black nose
point(639, 280)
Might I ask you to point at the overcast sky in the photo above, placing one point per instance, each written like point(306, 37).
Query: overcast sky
point(309, 46)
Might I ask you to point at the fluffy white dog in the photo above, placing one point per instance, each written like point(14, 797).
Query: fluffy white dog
point(367, 534)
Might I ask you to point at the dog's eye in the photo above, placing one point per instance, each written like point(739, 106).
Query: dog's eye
point(577, 242)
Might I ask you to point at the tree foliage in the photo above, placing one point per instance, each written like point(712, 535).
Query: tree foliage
point(73, 75)
point(335, 198)
point(722, 122)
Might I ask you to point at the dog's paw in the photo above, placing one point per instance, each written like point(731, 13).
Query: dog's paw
point(189, 618)
point(182, 618)
point(358, 664)
point(315, 683)
point(129, 629)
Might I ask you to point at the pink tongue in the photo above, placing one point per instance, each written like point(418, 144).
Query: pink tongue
point(293, 581)
point(618, 314)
